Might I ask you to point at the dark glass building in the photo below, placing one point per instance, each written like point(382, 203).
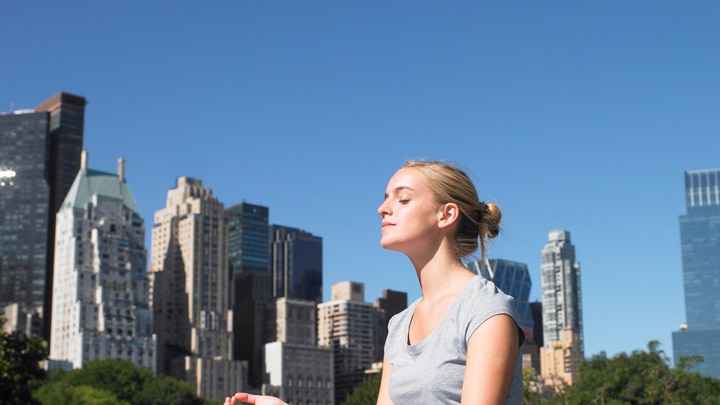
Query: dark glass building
point(296, 263)
point(24, 208)
point(251, 286)
point(700, 246)
point(39, 158)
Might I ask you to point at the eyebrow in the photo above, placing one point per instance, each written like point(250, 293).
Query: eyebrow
point(400, 188)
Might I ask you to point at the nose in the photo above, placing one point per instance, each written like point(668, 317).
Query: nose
point(383, 209)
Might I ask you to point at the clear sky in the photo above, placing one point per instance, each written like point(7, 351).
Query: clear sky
point(570, 115)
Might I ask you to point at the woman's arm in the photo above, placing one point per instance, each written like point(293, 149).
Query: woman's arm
point(384, 394)
point(245, 398)
point(491, 357)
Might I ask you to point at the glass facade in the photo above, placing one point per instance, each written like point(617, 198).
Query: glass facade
point(24, 208)
point(700, 247)
point(248, 239)
point(296, 263)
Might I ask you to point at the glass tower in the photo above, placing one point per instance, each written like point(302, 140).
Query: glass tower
point(700, 247)
point(296, 263)
point(39, 158)
point(24, 208)
point(250, 295)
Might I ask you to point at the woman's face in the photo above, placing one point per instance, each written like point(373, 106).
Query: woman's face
point(409, 212)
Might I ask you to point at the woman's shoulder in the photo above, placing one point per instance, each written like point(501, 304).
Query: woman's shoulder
point(483, 297)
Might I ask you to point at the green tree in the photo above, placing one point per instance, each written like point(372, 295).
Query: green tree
point(64, 393)
point(126, 383)
point(642, 378)
point(366, 393)
point(20, 371)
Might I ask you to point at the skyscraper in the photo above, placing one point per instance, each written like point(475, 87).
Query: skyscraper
point(101, 294)
point(190, 294)
point(561, 294)
point(251, 286)
point(700, 246)
point(296, 263)
point(561, 306)
point(39, 158)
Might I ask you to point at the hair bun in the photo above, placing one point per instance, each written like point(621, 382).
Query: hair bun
point(493, 217)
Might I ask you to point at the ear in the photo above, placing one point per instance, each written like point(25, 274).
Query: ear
point(448, 214)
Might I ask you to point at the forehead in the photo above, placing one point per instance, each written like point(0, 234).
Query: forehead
point(407, 177)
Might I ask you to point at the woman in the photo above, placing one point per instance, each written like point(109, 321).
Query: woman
point(459, 343)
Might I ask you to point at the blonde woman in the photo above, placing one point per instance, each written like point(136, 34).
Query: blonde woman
point(459, 343)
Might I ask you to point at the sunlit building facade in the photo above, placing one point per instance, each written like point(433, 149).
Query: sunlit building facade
point(700, 246)
point(100, 292)
point(348, 326)
point(298, 370)
point(561, 303)
point(190, 294)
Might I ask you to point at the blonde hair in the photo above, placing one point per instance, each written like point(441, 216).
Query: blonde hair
point(479, 221)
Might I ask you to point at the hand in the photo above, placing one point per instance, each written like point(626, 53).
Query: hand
point(245, 398)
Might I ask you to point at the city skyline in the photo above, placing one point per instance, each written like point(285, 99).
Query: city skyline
point(569, 116)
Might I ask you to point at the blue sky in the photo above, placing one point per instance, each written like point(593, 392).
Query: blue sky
point(569, 115)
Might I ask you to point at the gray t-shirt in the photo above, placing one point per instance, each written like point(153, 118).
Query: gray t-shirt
point(432, 371)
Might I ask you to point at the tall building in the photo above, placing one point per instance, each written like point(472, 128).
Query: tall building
point(298, 370)
point(561, 293)
point(348, 325)
point(190, 294)
point(39, 158)
point(561, 305)
point(101, 293)
point(700, 246)
point(296, 263)
point(251, 285)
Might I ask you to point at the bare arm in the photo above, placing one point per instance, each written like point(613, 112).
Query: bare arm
point(245, 398)
point(492, 353)
point(384, 394)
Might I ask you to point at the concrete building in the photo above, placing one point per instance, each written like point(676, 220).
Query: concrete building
point(560, 360)
point(190, 293)
point(349, 326)
point(700, 246)
point(100, 292)
point(297, 369)
point(39, 158)
point(561, 300)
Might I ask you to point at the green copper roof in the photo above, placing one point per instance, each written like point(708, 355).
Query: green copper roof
point(89, 182)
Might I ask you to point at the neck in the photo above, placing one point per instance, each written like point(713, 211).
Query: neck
point(441, 275)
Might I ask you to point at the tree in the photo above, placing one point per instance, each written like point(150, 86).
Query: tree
point(643, 378)
point(126, 384)
point(367, 392)
point(20, 371)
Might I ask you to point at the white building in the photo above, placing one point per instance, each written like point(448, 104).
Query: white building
point(100, 288)
point(349, 326)
point(298, 371)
